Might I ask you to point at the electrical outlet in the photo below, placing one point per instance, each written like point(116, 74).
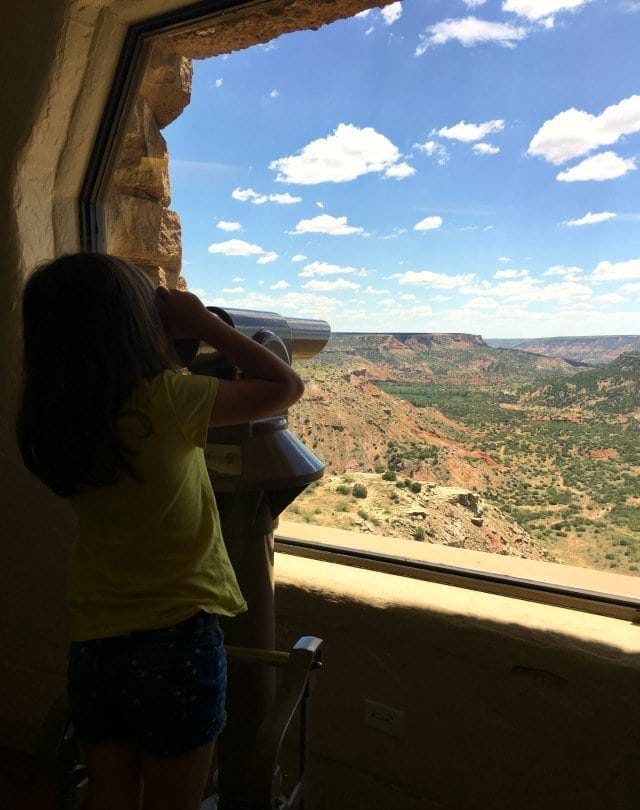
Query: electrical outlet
point(384, 718)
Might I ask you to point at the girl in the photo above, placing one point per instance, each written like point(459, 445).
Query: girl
point(108, 423)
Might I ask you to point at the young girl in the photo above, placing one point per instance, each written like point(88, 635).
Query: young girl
point(108, 423)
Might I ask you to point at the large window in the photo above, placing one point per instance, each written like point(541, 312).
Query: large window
point(454, 192)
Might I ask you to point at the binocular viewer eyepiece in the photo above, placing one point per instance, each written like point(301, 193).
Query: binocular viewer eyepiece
point(289, 338)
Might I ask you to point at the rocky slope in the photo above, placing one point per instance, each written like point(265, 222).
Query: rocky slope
point(593, 350)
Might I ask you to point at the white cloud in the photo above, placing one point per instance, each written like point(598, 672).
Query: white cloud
point(274, 94)
point(471, 132)
point(308, 305)
point(218, 82)
point(573, 132)
point(280, 285)
point(269, 257)
point(373, 291)
point(325, 223)
point(236, 247)
point(319, 285)
point(284, 199)
point(400, 171)
point(590, 219)
point(347, 153)
point(527, 290)
point(299, 257)
point(439, 281)
point(249, 195)
point(232, 290)
point(543, 10)
point(391, 13)
point(474, 3)
point(605, 166)
point(428, 224)
point(408, 297)
point(510, 273)
point(470, 31)
point(617, 271)
point(609, 299)
point(433, 149)
point(485, 149)
point(369, 30)
point(563, 270)
point(632, 289)
point(237, 279)
point(325, 269)
point(362, 14)
point(504, 259)
point(229, 226)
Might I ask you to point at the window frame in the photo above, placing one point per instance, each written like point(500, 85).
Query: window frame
point(128, 73)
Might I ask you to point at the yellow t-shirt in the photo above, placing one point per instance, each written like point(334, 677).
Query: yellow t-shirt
point(150, 553)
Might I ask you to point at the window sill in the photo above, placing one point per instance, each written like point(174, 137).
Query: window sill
point(581, 589)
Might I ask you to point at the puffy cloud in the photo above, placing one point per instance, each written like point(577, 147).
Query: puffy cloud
point(471, 132)
point(325, 223)
point(485, 149)
point(232, 290)
point(274, 94)
point(319, 285)
point(439, 281)
point(400, 171)
point(573, 132)
point(237, 280)
point(470, 31)
point(308, 305)
point(325, 269)
point(249, 195)
point(535, 10)
point(605, 166)
point(435, 150)
point(373, 291)
point(236, 247)
point(346, 154)
point(229, 226)
point(428, 224)
point(528, 290)
point(284, 199)
point(474, 3)
point(280, 285)
point(563, 270)
point(218, 82)
point(510, 273)
point(299, 257)
point(269, 257)
point(391, 13)
point(617, 271)
point(590, 219)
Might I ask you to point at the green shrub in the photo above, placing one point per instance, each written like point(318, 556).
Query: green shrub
point(415, 486)
point(359, 491)
point(389, 475)
point(418, 534)
point(343, 489)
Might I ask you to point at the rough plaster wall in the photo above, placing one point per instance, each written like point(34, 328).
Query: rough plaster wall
point(507, 705)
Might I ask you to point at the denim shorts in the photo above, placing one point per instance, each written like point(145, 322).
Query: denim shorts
point(162, 691)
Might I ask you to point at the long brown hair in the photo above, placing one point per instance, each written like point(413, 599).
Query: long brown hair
point(92, 333)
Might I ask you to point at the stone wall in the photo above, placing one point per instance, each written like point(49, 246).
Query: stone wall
point(140, 226)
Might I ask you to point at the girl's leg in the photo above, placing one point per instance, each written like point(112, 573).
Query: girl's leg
point(176, 783)
point(114, 777)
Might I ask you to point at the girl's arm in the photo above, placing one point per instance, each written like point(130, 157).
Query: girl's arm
point(273, 385)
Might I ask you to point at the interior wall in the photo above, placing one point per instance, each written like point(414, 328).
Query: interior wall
point(506, 705)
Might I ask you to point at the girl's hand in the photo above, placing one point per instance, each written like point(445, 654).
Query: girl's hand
point(182, 313)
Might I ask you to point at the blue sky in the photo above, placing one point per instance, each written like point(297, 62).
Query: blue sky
point(437, 165)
